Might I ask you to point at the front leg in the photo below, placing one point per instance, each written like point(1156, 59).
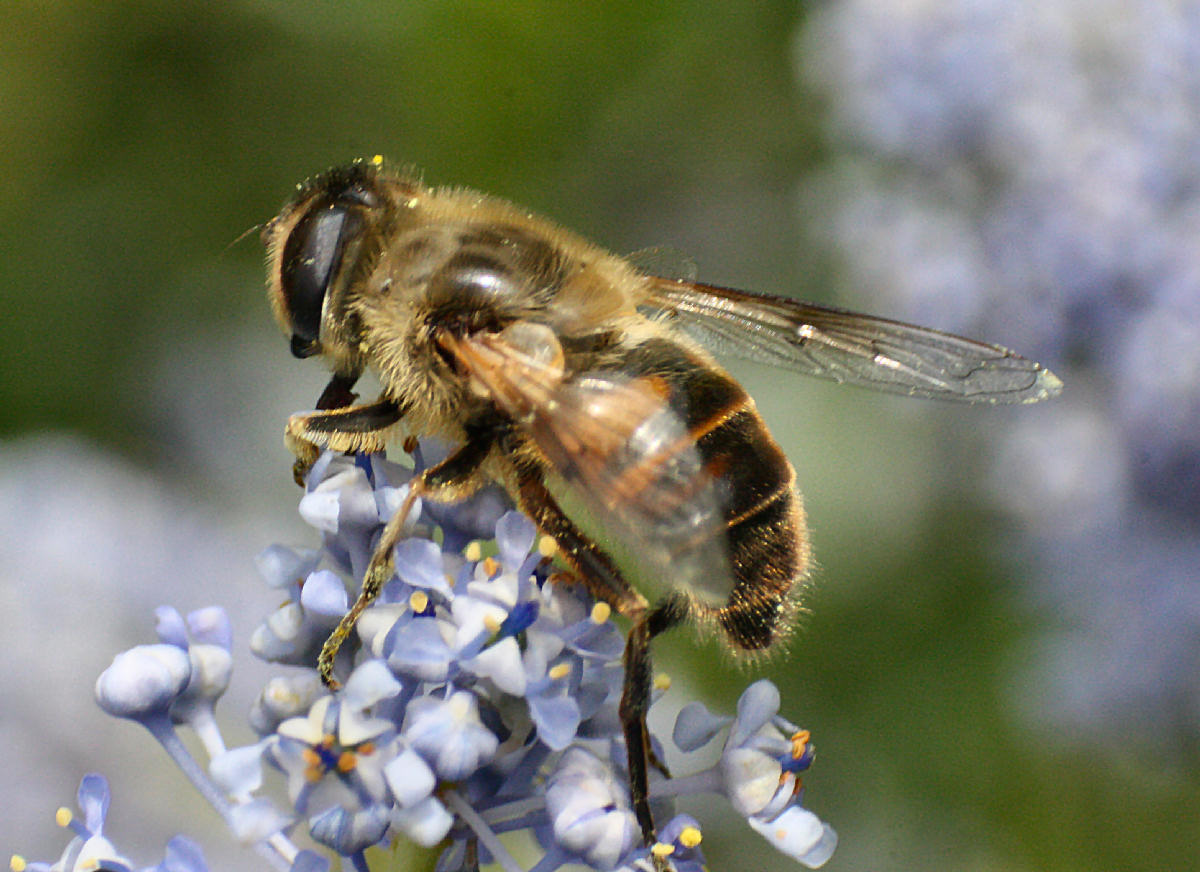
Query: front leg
point(455, 478)
point(359, 428)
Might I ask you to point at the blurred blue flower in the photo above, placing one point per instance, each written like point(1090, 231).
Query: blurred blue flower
point(1031, 172)
point(89, 850)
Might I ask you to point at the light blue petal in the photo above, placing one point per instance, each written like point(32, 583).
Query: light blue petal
point(239, 770)
point(369, 683)
point(756, 706)
point(409, 778)
point(143, 680)
point(280, 566)
point(170, 627)
point(348, 832)
point(256, 820)
point(416, 648)
point(514, 537)
point(695, 726)
point(324, 593)
point(800, 834)
point(557, 720)
point(93, 798)
point(419, 563)
point(426, 823)
point(211, 626)
point(183, 855)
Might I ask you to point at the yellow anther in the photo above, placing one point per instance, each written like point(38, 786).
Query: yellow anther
point(662, 849)
point(800, 743)
point(547, 547)
point(662, 681)
point(562, 670)
point(63, 817)
point(347, 760)
point(490, 566)
point(16, 863)
point(418, 601)
point(601, 612)
point(491, 623)
point(473, 551)
point(690, 837)
point(377, 160)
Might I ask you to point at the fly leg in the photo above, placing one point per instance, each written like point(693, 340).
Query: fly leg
point(603, 580)
point(340, 425)
point(455, 478)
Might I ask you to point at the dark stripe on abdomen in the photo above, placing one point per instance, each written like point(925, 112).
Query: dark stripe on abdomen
point(764, 523)
point(765, 534)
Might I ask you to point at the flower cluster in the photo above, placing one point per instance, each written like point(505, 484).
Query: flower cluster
point(89, 849)
point(480, 700)
point(1028, 172)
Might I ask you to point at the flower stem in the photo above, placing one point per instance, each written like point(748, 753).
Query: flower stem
point(482, 831)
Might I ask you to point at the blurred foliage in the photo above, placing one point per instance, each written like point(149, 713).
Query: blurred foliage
point(139, 140)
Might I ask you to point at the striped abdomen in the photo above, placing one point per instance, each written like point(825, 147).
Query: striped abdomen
point(764, 531)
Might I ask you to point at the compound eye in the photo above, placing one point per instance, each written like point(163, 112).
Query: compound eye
point(310, 260)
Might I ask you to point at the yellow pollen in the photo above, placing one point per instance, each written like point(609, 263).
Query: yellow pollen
point(377, 160)
point(490, 566)
point(491, 624)
point(690, 837)
point(662, 681)
point(418, 601)
point(601, 612)
point(562, 670)
point(63, 817)
point(800, 743)
point(366, 748)
point(346, 761)
point(662, 849)
point(547, 547)
point(310, 757)
point(473, 551)
point(16, 863)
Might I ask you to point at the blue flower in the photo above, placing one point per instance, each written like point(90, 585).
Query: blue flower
point(449, 734)
point(207, 637)
point(334, 759)
point(483, 699)
point(589, 809)
point(90, 850)
point(144, 681)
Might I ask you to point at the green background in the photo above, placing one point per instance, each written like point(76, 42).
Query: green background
point(139, 141)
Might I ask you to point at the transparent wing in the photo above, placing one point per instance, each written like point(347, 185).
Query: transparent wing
point(849, 347)
point(621, 450)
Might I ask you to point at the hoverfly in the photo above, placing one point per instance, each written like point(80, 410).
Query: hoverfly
point(570, 376)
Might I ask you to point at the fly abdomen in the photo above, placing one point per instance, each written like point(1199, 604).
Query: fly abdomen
point(763, 529)
point(764, 534)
